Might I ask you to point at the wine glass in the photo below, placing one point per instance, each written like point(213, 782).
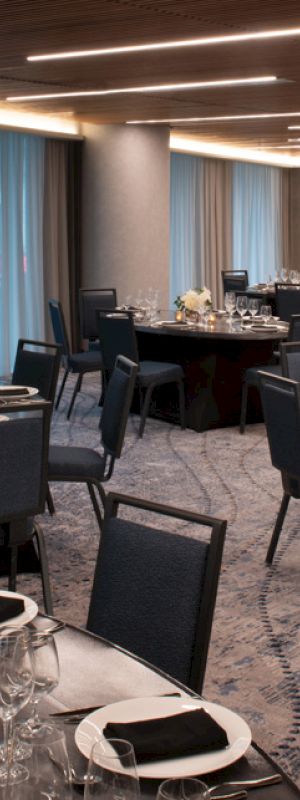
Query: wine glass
point(230, 304)
point(16, 687)
point(253, 306)
point(48, 767)
point(112, 771)
point(46, 676)
point(266, 313)
point(182, 789)
point(242, 305)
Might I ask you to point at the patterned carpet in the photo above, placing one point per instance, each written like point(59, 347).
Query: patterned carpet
point(254, 659)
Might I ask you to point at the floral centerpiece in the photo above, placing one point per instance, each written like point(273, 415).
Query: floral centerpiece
point(194, 301)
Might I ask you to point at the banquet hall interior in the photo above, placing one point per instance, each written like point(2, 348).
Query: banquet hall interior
point(150, 146)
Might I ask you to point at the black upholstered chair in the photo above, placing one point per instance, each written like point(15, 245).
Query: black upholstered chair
point(154, 592)
point(78, 363)
point(37, 364)
point(85, 465)
point(290, 360)
point(89, 301)
point(235, 280)
point(252, 376)
point(281, 406)
point(287, 297)
point(117, 335)
point(24, 442)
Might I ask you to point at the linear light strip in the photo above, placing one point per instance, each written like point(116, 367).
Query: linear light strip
point(165, 87)
point(226, 118)
point(202, 41)
point(184, 144)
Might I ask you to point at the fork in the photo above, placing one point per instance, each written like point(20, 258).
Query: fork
point(251, 783)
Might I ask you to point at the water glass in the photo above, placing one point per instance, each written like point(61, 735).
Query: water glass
point(112, 771)
point(230, 303)
point(16, 687)
point(182, 789)
point(242, 305)
point(48, 767)
point(266, 313)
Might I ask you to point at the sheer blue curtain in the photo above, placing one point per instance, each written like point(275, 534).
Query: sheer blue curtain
point(257, 220)
point(21, 242)
point(185, 196)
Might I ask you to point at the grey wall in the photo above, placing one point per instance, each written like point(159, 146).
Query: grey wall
point(125, 237)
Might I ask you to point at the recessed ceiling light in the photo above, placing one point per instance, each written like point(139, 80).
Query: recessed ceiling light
point(226, 118)
point(198, 42)
point(293, 140)
point(164, 87)
point(293, 127)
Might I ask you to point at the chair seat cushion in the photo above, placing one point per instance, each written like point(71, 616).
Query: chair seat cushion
point(252, 376)
point(158, 372)
point(89, 361)
point(74, 463)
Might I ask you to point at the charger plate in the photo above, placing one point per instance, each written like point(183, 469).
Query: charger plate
point(142, 708)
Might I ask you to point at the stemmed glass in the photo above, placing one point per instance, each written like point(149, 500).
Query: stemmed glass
point(112, 771)
point(182, 789)
point(46, 676)
point(16, 687)
point(242, 305)
point(48, 766)
point(230, 304)
point(253, 306)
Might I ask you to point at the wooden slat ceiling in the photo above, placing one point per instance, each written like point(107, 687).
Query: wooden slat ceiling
point(29, 27)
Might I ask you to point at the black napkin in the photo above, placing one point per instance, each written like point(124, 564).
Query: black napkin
point(169, 737)
point(10, 607)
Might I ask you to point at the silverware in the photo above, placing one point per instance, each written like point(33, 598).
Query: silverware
point(252, 783)
point(57, 626)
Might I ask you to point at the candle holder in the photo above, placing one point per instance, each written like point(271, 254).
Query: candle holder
point(180, 315)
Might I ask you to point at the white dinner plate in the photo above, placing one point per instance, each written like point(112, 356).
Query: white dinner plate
point(29, 613)
point(28, 391)
point(141, 708)
point(3, 418)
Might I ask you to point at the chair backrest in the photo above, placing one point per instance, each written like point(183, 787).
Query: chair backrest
point(281, 407)
point(89, 301)
point(287, 300)
point(59, 326)
point(37, 364)
point(290, 360)
point(117, 337)
point(294, 328)
point(154, 591)
point(235, 280)
point(116, 407)
point(24, 444)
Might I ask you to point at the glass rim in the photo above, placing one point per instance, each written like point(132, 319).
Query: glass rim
point(113, 740)
point(163, 791)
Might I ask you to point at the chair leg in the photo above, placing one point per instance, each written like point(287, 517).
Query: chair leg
point(145, 409)
point(181, 404)
point(277, 529)
point(244, 407)
point(12, 578)
point(95, 504)
point(61, 388)
point(42, 553)
point(76, 390)
point(49, 501)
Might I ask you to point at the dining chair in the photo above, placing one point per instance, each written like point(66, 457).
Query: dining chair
point(77, 363)
point(24, 443)
point(252, 374)
point(117, 335)
point(290, 360)
point(281, 407)
point(154, 591)
point(85, 465)
point(37, 364)
point(89, 301)
point(235, 280)
point(287, 297)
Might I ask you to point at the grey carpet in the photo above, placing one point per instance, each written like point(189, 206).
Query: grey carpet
point(254, 658)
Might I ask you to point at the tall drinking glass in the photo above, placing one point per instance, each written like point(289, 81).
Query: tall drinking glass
point(112, 771)
point(46, 676)
point(16, 687)
point(230, 304)
point(266, 313)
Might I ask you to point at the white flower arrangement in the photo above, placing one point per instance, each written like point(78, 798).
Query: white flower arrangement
point(194, 299)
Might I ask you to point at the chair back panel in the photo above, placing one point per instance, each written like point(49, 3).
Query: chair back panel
point(59, 326)
point(37, 367)
point(116, 407)
point(91, 300)
point(294, 328)
point(235, 280)
point(287, 300)
point(24, 442)
point(152, 594)
point(290, 360)
point(281, 407)
point(117, 337)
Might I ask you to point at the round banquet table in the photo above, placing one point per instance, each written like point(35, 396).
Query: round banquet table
point(94, 672)
point(214, 360)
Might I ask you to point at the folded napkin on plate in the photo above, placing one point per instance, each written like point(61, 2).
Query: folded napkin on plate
point(7, 391)
point(169, 737)
point(10, 607)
